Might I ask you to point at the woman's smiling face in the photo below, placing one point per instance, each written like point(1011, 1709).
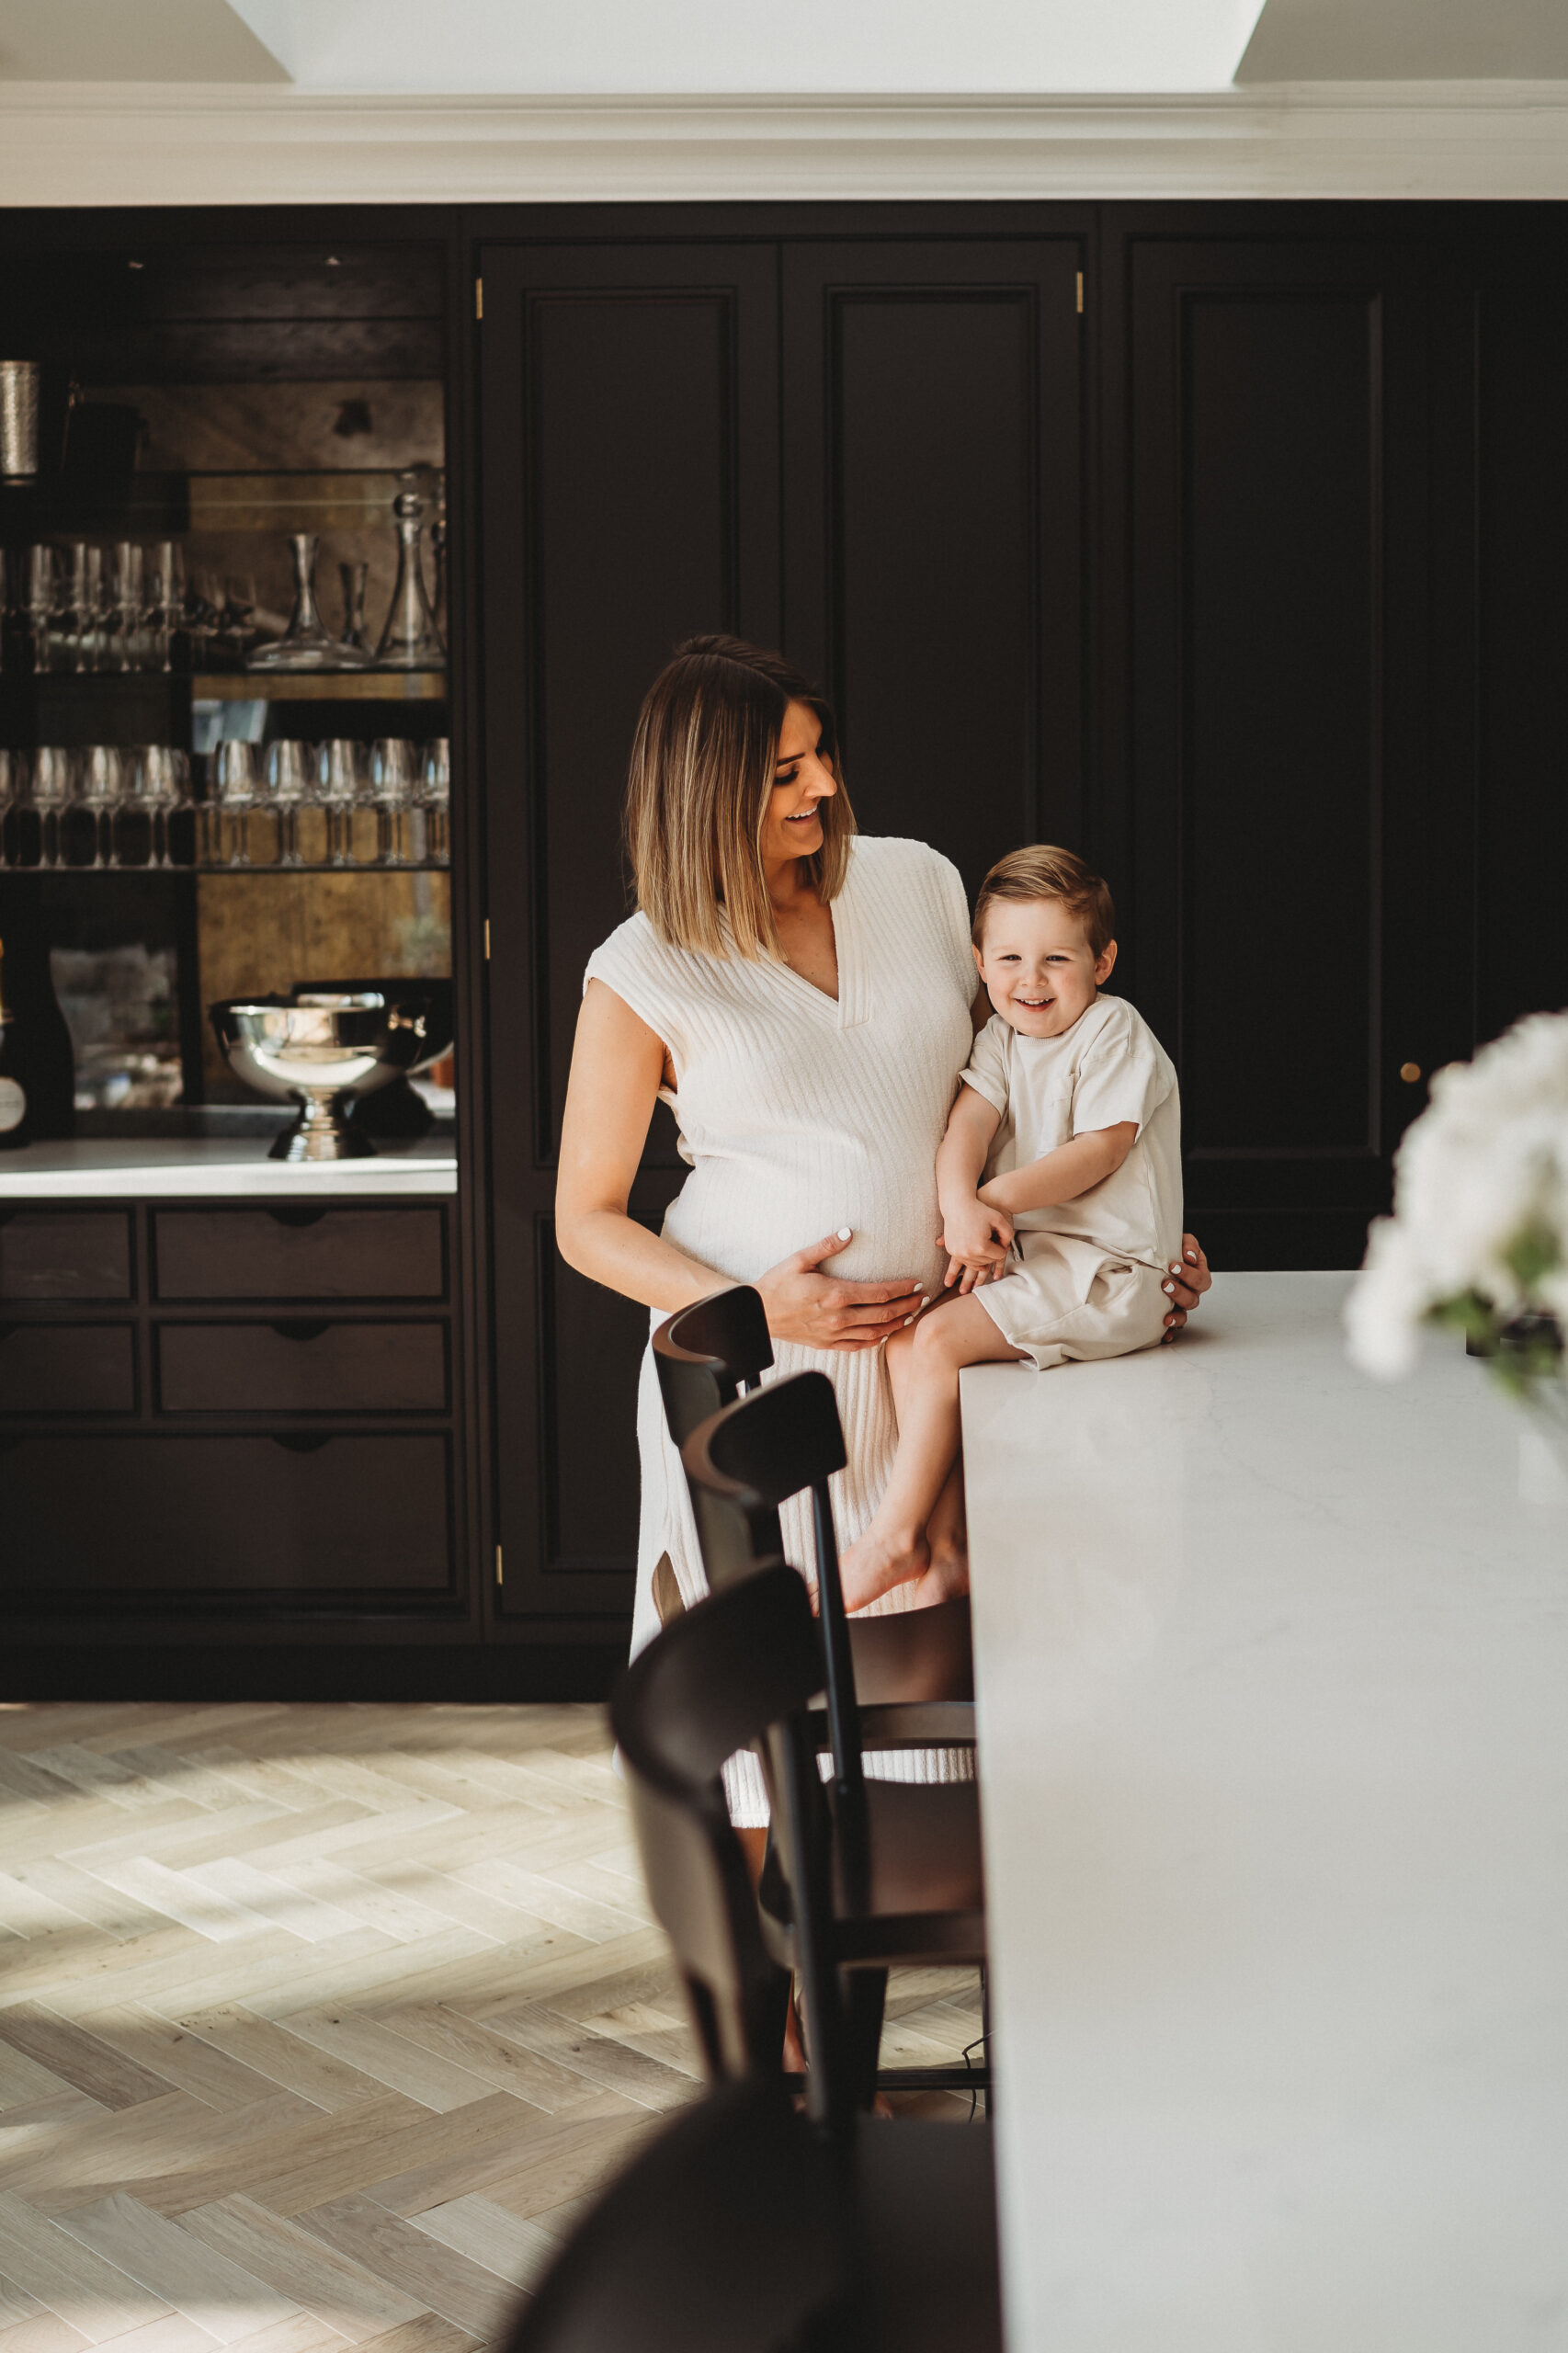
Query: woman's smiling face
point(802, 778)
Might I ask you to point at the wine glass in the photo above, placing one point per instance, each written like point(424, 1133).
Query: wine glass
point(341, 790)
point(127, 608)
point(353, 634)
point(166, 600)
point(100, 784)
point(290, 782)
point(235, 780)
point(38, 605)
point(48, 791)
point(239, 607)
point(99, 610)
point(13, 777)
point(152, 788)
point(392, 797)
point(434, 796)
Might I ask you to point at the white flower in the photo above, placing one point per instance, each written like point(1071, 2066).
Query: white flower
point(1485, 1165)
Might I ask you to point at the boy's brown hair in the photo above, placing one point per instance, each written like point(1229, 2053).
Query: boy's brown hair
point(1043, 871)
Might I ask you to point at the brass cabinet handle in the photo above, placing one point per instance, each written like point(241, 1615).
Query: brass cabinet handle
point(1410, 1073)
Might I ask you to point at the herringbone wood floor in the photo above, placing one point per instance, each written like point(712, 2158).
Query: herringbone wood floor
point(317, 2024)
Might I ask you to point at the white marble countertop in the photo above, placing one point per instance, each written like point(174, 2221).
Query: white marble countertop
point(1272, 1680)
point(104, 1169)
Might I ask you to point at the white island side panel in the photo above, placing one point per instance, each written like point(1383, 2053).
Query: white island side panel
point(1272, 1685)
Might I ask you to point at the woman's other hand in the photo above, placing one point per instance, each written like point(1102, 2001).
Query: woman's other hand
point(1188, 1281)
point(822, 1312)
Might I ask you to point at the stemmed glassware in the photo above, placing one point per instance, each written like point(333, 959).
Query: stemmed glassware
point(234, 793)
point(432, 796)
point(391, 796)
point(99, 785)
point(38, 601)
point(290, 782)
point(127, 605)
point(48, 791)
point(13, 778)
point(157, 784)
point(165, 601)
point(341, 790)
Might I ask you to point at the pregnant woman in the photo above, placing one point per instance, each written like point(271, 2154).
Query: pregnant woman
point(802, 997)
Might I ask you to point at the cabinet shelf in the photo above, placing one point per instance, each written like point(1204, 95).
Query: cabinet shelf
point(320, 685)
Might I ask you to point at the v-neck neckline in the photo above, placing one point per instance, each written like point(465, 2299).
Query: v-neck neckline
point(848, 1008)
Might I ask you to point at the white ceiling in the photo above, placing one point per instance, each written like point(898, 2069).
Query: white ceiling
point(546, 49)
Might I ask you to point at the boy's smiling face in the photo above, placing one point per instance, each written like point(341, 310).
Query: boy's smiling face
point(1039, 969)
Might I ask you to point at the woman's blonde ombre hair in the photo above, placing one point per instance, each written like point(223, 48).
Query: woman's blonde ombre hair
point(697, 796)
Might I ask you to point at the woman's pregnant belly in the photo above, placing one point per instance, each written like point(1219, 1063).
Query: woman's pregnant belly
point(741, 1213)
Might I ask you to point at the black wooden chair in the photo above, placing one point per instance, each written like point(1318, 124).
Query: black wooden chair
point(740, 2229)
point(908, 1879)
point(745, 2227)
point(712, 1353)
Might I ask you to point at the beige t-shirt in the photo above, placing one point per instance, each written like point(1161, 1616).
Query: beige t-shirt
point(1108, 1067)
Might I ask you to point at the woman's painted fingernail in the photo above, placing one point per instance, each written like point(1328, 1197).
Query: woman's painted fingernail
point(842, 1234)
point(1167, 1286)
point(1176, 1266)
point(909, 1320)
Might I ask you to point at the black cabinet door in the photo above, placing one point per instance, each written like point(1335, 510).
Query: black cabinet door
point(1279, 692)
point(631, 452)
point(933, 498)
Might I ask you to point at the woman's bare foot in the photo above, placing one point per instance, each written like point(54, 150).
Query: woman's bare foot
point(876, 1563)
point(946, 1580)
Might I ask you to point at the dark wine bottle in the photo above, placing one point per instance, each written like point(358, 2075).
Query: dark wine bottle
point(37, 1085)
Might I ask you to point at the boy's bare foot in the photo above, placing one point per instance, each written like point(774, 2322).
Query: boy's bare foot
point(946, 1580)
point(875, 1564)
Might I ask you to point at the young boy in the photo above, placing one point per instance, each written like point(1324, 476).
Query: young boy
point(1059, 1183)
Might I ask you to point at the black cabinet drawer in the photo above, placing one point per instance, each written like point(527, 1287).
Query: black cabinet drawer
point(299, 1252)
point(298, 1367)
point(231, 1517)
point(67, 1369)
point(64, 1254)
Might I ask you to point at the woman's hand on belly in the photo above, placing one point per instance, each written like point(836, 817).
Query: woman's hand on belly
point(820, 1311)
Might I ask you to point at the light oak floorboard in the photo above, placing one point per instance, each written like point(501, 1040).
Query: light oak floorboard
point(321, 2026)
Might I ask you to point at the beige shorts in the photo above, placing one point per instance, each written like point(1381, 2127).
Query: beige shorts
point(1064, 1302)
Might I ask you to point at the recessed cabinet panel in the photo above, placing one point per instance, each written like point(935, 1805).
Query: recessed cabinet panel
point(64, 1254)
point(1276, 925)
point(67, 1369)
point(631, 459)
point(302, 1367)
point(1283, 464)
point(932, 499)
point(229, 1518)
point(299, 1252)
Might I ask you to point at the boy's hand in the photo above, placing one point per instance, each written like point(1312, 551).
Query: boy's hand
point(977, 1239)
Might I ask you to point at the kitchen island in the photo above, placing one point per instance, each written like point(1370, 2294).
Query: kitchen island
point(201, 1167)
point(1272, 1688)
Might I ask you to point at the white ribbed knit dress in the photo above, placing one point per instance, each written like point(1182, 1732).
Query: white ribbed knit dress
point(798, 1116)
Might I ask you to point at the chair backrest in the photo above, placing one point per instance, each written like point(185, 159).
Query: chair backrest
point(707, 1353)
point(741, 1465)
point(727, 2234)
point(736, 1669)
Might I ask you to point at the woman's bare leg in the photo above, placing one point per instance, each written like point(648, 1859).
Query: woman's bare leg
point(925, 1390)
point(754, 1846)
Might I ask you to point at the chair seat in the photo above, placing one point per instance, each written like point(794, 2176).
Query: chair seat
point(925, 1895)
point(915, 1655)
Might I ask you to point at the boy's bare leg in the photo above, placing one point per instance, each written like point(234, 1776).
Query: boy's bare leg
point(924, 1364)
point(947, 1539)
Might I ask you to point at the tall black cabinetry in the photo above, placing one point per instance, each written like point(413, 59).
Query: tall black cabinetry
point(1221, 541)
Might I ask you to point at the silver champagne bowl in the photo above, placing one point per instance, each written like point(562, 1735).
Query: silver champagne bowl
point(321, 1049)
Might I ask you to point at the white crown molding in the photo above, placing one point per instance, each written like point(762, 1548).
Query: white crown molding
point(133, 144)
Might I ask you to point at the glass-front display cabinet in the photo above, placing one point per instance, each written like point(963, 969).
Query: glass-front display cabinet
point(224, 766)
point(231, 1357)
